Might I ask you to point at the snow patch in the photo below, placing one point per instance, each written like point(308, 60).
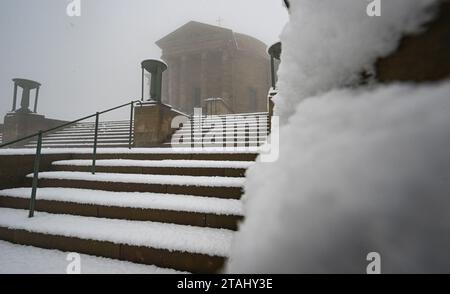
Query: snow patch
point(172, 202)
point(145, 179)
point(214, 242)
point(160, 163)
point(19, 259)
point(328, 43)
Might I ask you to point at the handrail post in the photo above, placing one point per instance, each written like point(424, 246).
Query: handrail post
point(224, 132)
point(247, 135)
point(131, 125)
point(235, 135)
point(94, 155)
point(192, 132)
point(37, 160)
point(257, 130)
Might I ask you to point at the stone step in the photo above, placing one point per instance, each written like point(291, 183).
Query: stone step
point(230, 130)
point(80, 145)
point(161, 167)
point(230, 120)
point(221, 131)
point(213, 154)
point(101, 124)
point(92, 132)
point(187, 144)
point(240, 114)
point(185, 248)
point(100, 129)
point(218, 187)
point(209, 137)
point(86, 136)
point(225, 125)
point(165, 208)
point(104, 122)
point(75, 141)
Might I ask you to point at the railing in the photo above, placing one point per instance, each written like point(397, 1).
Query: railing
point(40, 134)
point(211, 106)
point(199, 120)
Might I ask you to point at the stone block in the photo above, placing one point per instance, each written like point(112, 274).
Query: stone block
point(152, 124)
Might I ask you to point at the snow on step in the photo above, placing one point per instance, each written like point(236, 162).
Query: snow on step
point(20, 259)
point(87, 137)
point(213, 242)
point(159, 163)
point(145, 179)
point(196, 150)
point(240, 114)
point(184, 203)
point(76, 130)
point(90, 133)
point(219, 136)
point(82, 139)
point(78, 144)
point(79, 140)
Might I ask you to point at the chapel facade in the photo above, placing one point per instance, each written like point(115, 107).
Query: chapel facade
point(207, 62)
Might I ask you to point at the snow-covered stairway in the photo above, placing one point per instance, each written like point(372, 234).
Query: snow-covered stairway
point(110, 134)
point(175, 209)
point(232, 130)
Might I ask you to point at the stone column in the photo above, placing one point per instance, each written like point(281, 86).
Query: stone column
point(183, 87)
point(226, 78)
point(165, 86)
point(170, 82)
point(204, 76)
point(14, 98)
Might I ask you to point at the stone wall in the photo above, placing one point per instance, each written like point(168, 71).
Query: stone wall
point(19, 125)
point(423, 57)
point(153, 124)
point(251, 73)
point(15, 168)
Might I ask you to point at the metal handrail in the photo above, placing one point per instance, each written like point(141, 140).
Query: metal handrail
point(216, 100)
point(68, 124)
point(40, 134)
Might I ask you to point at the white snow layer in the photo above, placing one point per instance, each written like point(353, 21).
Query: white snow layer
point(159, 163)
point(214, 242)
point(206, 150)
point(135, 200)
point(359, 171)
point(19, 259)
point(145, 179)
point(328, 43)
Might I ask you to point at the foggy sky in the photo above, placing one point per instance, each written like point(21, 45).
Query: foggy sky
point(92, 62)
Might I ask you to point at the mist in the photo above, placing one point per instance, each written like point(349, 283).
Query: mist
point(92, 62)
